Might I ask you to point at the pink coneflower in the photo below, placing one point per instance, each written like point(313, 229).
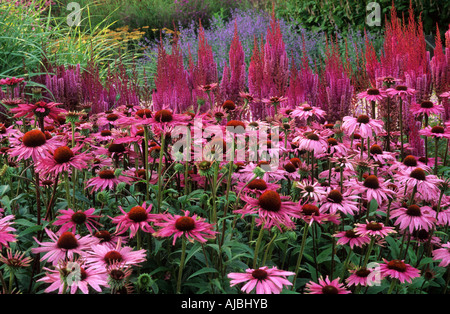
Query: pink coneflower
point(376, 188)
point(6, 231)
point(426, 107)
point(305, 112)
point(256, 186)
point(401, 91)
point(101, 256)
point(40, 109)
point(363, 125)
point(207, 87)
point(66, 245)
point(413, 217)
point(70, 220)
point(310, 213)
point(194, 228)
point(18, 260)
point(313, 142)
point(351, 238)
point(272, 208)
point(107, 179)
point(266, 280)
point(326, 286)
point(310, 192)
point(372, 94)
point(445, 95)
point(138, 217)
point(108, 239)
point(63, 159)
point(80, 277)
point(399, 270)
point(408, 164)
point(248, 98)
point(442, 254)
point(373, 229)
point(274, 100)
point(141, 117)
point(425, 186)
point(166, 118)
point(436, 132)
point(11, 81)
point(111, 119)
point(363, 276)
point(34, 144)
point(335, 202)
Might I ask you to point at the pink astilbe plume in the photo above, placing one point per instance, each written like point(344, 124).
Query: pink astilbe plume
point(171, 80)
point(234, 74)
point(204, 71)
point(256, 85)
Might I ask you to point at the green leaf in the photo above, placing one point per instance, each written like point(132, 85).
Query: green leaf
point(205, 270)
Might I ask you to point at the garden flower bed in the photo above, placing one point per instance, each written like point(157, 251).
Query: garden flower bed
point(273, 161)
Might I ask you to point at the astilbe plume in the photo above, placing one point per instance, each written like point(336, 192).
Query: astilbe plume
point(171, 80)
point(337, 85)
point(303, 83)
point(256, 78)
point(276, 62)
point(234, 75)
point(205, 70)
point(440, 66)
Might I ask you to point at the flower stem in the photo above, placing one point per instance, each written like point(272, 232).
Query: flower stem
point(300, 254)
point(258, 244)
point(180, 270)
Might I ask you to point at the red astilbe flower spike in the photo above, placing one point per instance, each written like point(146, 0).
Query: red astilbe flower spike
point(234, 75)
point(171, 80)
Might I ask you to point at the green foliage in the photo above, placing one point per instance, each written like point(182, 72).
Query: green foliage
point(332, 15)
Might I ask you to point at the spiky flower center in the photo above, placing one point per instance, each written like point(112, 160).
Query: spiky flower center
point(373, 91)
point(372, 182)
point(112, 257)
point(312, 137)
point(204, 165)
point(185, 223)
point(34, 138)
point(401, 88)
point(374, 226)
point(229, 105)
point(362, 272)
point(332, 141)
point(143, 113)
point(103, 235)
point(410, 161)
point(426, 104)
point(112, 117)
point(106, 174)
point(351, 234)
point(63, 154)
point(257, 184)
point(397, 265)
point(270, 201)
point(289, 167)
point(307, 108)
point(376, 149)
point(259, 274)
point(438, 129)
point(363, 119)
point(309, 188)
point(105, 133)
point(137, 214)
point(413, 210)
point(418, 174)
point(310, 209)
point(79, 217)
point(116, 148)
point(164, 115)
point(67, 241)
point(335, 196)
point(328, 289)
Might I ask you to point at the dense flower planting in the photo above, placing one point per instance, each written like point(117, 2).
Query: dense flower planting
point(271, 177)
